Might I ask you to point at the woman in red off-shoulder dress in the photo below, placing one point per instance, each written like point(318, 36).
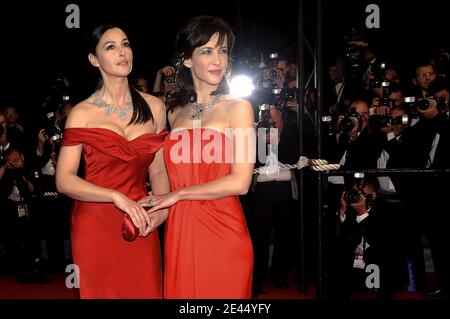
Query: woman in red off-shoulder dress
point(117, 133)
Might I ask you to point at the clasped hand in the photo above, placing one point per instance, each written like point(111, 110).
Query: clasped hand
point(145, 221)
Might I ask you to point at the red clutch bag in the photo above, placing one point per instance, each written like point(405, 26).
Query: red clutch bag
point(129, 230)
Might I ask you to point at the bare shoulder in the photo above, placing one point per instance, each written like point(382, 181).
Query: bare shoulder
point(240, 112)
point(157, 108)
point(238, 106)
point(80, 114)
point(156, 105)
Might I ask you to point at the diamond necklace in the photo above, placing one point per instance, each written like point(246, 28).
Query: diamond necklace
point(110, 109)
point(198, 110)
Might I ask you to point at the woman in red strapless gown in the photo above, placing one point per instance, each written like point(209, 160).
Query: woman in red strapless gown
point(207, 246)
point(208, 251)
point(117, 153)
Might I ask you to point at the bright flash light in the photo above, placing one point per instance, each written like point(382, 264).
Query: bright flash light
point(241, 86)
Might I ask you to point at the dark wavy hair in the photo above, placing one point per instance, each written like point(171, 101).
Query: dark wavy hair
point(195, 33)
point(141, 110)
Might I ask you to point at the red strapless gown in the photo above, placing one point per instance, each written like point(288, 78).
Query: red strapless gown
point(111, 267)
point(208, 251)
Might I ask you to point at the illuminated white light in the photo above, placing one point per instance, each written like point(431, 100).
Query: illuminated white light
point(241, 86)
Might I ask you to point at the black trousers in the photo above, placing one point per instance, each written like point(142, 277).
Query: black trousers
point(273, 213)
point(19, 234)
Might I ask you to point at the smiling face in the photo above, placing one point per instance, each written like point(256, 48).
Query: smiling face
point(113, 54)
point(209, 62)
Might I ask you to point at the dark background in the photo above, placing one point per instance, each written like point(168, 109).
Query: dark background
point(36, 45)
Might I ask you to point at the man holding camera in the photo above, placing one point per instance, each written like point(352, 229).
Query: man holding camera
point(425, 145)
point(352, 146)
point(276, 192)
point(23, 246)
point(364, 236)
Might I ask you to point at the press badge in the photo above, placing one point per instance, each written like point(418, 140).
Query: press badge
point(22, 210)
point(358, 262)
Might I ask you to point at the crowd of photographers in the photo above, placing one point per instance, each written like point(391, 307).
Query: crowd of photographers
point(374, 117)
point(377, 119)
point(34, 218)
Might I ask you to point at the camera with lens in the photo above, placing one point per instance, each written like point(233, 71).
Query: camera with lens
point(377, 78)
point(378, 122)
point(169, 79)
point(283, 96)
point(352, 51)
point(353, 194)
point(265, 119)
point(426, 103)
point(52, 131)
point(409, 103)
point(356, 192)
point(423, 104)
point(271, 73)
point(329, 125)
point(349, 122)
point(385, 100)
point(58, 95)
point(60, 88)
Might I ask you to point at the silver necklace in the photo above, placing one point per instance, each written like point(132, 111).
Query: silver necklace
point(111, 109)
point(198, 110)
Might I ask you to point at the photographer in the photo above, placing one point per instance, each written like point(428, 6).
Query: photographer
point(141, 84)
point(52, 209)
point(388, 95)
point(351, 145)
point(340, 91)
point(23, 246)
point(16, 133)
point(426, 145)
point(164, 79)
point(276, 193)
point(272, 210)
point(365, 236)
